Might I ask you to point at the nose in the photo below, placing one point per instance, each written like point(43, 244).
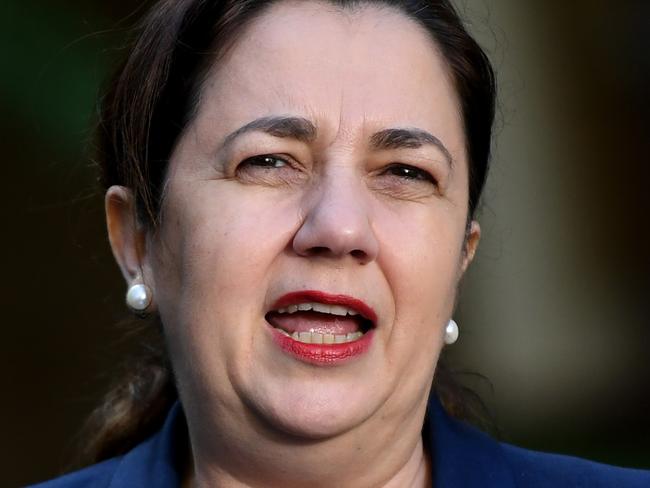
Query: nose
point(337, 223)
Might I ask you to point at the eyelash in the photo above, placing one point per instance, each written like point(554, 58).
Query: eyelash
point(410, 173)
point(403, 171)
point(265, 158)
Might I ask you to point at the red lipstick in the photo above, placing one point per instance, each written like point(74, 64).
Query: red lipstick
point(324, 354)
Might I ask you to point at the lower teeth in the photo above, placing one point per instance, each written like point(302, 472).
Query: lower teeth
point(317, 338)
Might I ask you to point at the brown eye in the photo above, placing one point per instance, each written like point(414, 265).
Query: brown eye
point(266, 161)
point(409, 173)
point(270, 170)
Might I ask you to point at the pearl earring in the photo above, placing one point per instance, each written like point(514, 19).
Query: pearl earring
point(138, 298)
point(451, 332)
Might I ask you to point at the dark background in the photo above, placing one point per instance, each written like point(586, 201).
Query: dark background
point(554, 312)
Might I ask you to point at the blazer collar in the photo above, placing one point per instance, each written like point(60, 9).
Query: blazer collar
point(462, 455)
point(158, 460)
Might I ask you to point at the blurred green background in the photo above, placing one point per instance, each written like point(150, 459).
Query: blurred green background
point(554, 312)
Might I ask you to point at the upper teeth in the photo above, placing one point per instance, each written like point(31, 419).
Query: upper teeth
point(319, 307)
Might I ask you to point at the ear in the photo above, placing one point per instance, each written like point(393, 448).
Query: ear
point(126, 236)
point(472, 238)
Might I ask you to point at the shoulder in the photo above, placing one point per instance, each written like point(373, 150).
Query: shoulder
point(464, 456)
point(537, 469)
point(155, 462)
point(98, 475)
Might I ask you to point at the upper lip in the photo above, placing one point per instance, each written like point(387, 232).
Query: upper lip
point(303, 296)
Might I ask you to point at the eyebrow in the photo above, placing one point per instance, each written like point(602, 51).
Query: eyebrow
point(407, 138)
point(302, 129)
point(297, 128)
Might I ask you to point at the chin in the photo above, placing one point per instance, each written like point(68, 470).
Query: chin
point(317, 413)
point(311, 426)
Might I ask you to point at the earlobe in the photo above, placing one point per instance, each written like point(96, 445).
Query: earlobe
point(471, 244)
point(126, 236)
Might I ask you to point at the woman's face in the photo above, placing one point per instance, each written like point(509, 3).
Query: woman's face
point(327, 155)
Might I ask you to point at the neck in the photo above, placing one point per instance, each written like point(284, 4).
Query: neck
point(378, 453)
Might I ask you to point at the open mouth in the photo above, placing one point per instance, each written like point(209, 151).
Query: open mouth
point(340, 321)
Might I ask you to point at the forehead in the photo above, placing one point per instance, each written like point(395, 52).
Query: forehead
point(350, 71)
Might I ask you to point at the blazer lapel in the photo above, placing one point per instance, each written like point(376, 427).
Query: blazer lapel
point(155, 461)
point(462, 455)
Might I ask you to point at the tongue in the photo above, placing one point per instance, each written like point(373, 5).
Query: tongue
point(321, 323)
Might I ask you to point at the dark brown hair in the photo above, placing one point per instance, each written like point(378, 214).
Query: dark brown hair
point(151, 99)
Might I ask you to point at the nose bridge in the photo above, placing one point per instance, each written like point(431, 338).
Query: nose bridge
point(340, 198)
point(337, 217)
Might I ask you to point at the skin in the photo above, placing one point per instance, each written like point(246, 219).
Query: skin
point(332, 214)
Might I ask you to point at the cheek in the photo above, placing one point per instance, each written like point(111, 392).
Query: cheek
point(421, 259)
point(217, 250)
point(219, 244)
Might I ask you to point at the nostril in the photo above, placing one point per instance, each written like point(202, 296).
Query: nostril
point(319, 251)
point(359, 254)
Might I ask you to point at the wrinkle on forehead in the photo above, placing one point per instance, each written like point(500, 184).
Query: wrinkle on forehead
point(349, 77)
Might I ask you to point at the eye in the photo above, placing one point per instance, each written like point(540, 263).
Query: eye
point(409, 173)
point(270, 170)
point(266, 161)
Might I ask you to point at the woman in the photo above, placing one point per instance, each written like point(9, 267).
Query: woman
point(291, 190)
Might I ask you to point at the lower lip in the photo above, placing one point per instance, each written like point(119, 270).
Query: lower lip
point(323, 354)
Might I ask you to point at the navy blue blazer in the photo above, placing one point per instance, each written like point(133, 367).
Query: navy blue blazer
point(462, 457)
